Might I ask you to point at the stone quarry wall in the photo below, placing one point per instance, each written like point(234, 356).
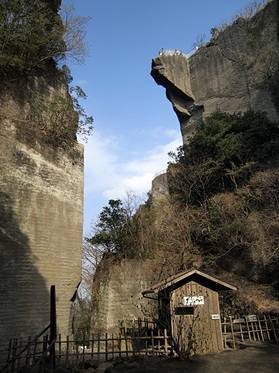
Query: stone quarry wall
point(159, 188)
point(236, 71)
point(117, 293)
point(41, 221)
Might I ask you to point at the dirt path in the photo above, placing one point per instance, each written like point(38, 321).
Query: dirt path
point(255, 358)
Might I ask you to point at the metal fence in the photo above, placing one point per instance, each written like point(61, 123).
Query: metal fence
point(177, 52)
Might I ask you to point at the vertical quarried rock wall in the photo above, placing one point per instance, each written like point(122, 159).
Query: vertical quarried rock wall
point(117, 293)
point(41, 222)
point(236, 72)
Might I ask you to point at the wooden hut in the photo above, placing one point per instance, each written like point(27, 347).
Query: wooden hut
point(189, 307)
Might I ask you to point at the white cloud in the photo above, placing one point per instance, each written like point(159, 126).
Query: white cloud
point(137, 184)
point(107, 176)
point(106, 172)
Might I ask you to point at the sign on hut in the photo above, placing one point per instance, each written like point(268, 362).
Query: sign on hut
point(189, 308)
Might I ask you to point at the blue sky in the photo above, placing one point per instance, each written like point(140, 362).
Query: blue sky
point(134, 124)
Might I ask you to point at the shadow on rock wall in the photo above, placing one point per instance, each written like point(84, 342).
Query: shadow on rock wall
point(24, 297)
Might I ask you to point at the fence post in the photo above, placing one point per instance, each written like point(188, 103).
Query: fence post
point(67, 352)
point(83, 351)
point(232, 331)
point(152, 342)
point(9, 352)
point(248, 329)
point(14, 353)
point(112, 345)
point(60, 348)
point(166, 341)
point(99, 341)
point(92, 347)
point(266, 327)
point(273, 329)
point(53, 332)
point(19, 357)
point(106, 346)
point(259, 322)
point(28, 353)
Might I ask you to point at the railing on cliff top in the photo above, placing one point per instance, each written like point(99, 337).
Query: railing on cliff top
point(177, 52)
point(161, 172)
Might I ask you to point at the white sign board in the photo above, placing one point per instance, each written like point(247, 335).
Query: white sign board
point(193, 301)
point(215, 317)
point(252, 318)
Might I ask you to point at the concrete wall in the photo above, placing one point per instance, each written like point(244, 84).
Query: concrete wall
point(41, 223)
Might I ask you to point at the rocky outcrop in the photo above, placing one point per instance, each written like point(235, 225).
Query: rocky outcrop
point(117, 293)
point(41, 222)
point(159, 188)
point(236, 71)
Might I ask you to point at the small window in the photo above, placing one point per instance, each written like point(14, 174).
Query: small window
point(184, 311)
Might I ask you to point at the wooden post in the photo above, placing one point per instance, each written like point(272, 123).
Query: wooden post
point(119, 345)
point(44, 345)
point(266, 327)
point(166, 341)
point(28, 354)
point(83, 351)
point(34, 351)
point(14, 354)
point(159, 341)
point(273, 329)
point(112, 346)
point(67, 352)
point(241, 332)
point(9, 351)
point(60, 348)
point(106, 344)
point(53, 329)
point(152, 342)
point(232, 331)
point(225, 332)
point(126, 344)
point(77, 353)
point(259, 322)
point(253, 331)
point(248, 329)
point(19, 357)
point(99, 338)
point(92, 347)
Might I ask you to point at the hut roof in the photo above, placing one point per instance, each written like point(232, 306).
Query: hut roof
point(193, 272)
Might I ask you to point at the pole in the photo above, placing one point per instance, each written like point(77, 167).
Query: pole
point(53, 331)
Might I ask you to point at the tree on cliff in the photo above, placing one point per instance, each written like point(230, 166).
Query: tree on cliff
point(110, 232)
point(224, 152)
point(32, 32)
point(116, 229)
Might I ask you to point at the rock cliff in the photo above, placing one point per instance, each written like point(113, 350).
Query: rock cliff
point(117, 293)
point(41, 198)
point(236, 71)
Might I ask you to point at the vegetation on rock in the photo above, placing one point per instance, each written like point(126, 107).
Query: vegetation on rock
point(33, 32)
point(34, 36)
point(247, 12)
point(222, 211)
point(222, 155)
